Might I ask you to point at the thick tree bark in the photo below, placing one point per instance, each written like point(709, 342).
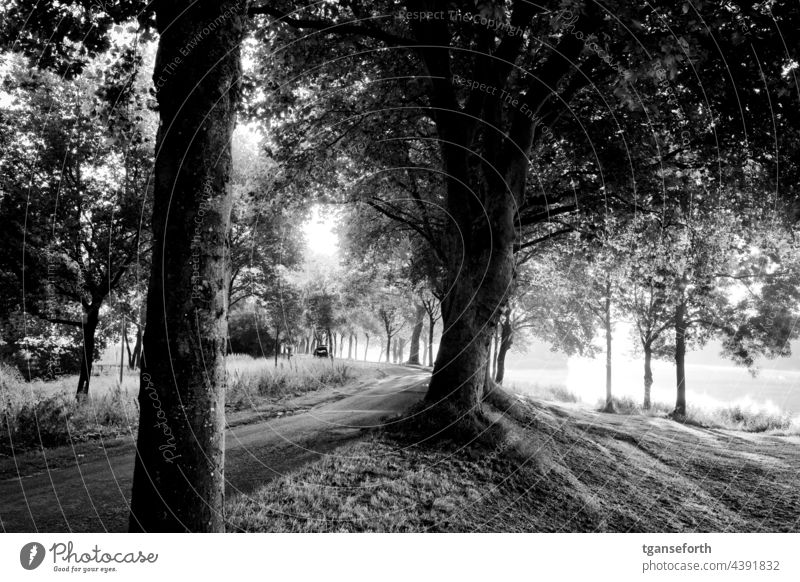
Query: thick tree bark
point(486, 163)
point(89, 330)
point(388, 349)
point(350, 346)
point(506, 341)
point(178, 482)
point(416, 333)
point(680, 359)
point(478, 291)
point(648, 375)
point(401, 348)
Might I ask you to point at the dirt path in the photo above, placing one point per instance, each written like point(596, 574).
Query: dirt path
point(87, 489)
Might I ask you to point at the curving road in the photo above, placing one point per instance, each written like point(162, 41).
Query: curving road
point(90, 491)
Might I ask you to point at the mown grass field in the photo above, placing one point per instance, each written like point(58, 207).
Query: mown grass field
point(542, 467)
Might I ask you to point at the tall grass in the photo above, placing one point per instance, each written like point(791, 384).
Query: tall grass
point(747, 418)
point(46, 414)
point(32, 415)
point(552, 392)
point(252, 381)
point(629, 405)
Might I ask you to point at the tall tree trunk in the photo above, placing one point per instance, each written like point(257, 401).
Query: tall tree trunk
point(134, 358)
point(609, 407)
point(424, 352)
point(493, 353)
point(506, 341)
point(350, 346)
point(479, 247)
point(401, 348)
point(89, 330)
point(498, 338)
point(277, 344)
point(366, 347)
point(355, 346)
point(487, 173)
point(431, 326)
point(648, 375)
point(680, 358)
point(416, 333)
point(388, 349)
point(122, 349)
point(127, 344)
point(178, 481)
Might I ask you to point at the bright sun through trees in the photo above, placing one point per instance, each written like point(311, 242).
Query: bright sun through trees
point(319, 231)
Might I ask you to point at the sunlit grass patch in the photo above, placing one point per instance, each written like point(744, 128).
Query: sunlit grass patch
point(744, 418)
point(373, 485)
point(629, 405)
point(578, 471)
point(552, 392)
point(747, 416)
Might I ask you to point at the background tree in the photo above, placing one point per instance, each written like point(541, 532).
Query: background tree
point(75, 190)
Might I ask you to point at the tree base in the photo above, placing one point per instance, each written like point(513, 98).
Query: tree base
point(678, 416)
point(437, 423)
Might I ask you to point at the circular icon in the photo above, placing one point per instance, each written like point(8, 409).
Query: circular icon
point(31, 555)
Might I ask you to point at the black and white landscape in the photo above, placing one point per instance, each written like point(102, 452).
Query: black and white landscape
point(399, 266)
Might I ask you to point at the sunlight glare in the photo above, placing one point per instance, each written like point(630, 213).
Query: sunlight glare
point(319, 231)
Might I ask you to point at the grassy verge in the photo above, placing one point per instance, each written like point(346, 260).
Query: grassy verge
point(34, 415)
point(551, 392)
point(731, 417)
point(46, 414)
point(253, 382)
point(552, 468)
